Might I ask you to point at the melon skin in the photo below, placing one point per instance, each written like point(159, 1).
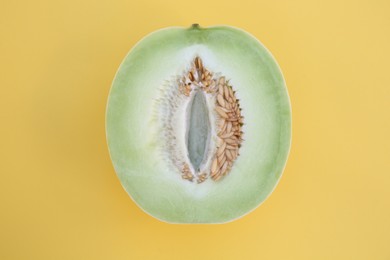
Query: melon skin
point(134, 137)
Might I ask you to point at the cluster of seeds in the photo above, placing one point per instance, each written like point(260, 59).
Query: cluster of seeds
point(198, 76)
point(230, 119)
point(186, 173)
point(185, 89)
point(202, 177)
point(230, 134)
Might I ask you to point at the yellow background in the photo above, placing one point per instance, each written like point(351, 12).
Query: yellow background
point(60, 197)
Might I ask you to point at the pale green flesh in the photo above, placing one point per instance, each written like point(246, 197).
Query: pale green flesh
point(133, 136)
point(198, 130)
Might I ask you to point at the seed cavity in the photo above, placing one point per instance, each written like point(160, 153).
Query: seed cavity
point(213, 134)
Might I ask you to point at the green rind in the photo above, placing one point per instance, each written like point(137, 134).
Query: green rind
point(133, 142)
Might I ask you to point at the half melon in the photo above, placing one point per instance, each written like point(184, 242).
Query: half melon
point(199, 124)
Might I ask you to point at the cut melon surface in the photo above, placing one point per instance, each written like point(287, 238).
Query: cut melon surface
point(164, 124)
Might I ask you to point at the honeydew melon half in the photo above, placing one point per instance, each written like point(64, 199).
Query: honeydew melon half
point(198, 124)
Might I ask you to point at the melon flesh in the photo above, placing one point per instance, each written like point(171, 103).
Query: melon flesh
point(134, 134)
